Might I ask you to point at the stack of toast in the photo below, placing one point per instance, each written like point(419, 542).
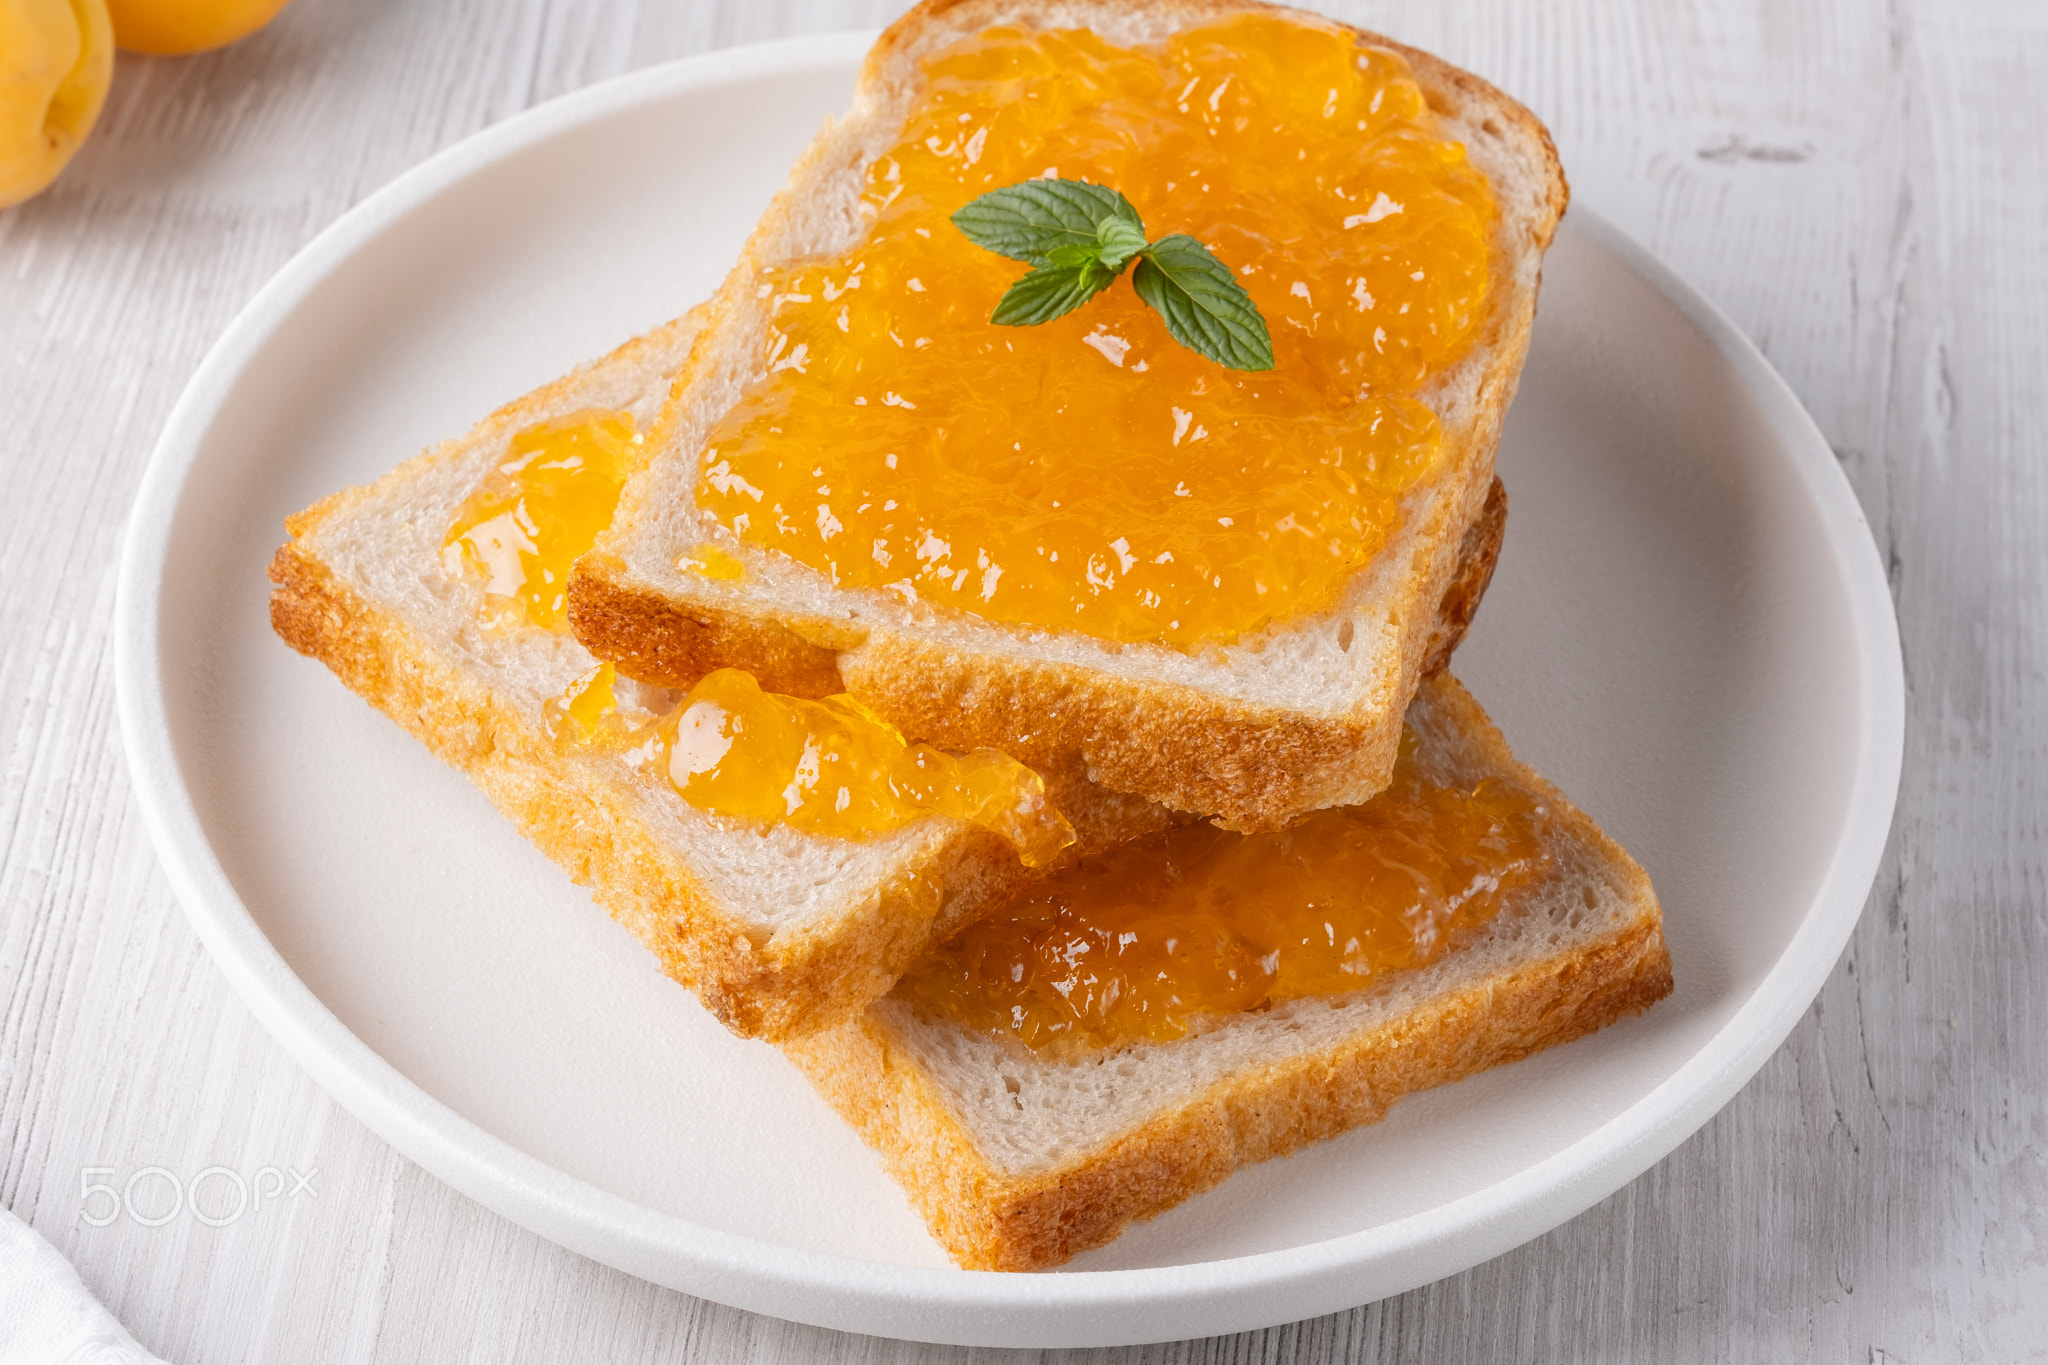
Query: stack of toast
point(1018, 1157)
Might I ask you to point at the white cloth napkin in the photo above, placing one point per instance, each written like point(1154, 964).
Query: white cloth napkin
point(47, 1316)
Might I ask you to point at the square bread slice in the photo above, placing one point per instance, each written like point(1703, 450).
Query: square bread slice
point(1019, 1161)
point(1301, 715)
point(777, 931)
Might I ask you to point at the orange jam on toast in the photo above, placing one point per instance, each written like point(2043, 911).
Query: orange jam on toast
point(587, 712)
point(539, 508)
point(828, 767)
point(1139, 943)
point(1089, 473)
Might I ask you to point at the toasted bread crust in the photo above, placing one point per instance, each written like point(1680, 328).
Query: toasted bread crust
point(989, 1218)
point(1247, 765)
point(957, 699)
point(601, 847)
point(637, 630)
point(793, 982)
point(1477, 557)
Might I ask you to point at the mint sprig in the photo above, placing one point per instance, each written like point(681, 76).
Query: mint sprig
point(1028, 222)
point(1204, 306)
point(1078, 238)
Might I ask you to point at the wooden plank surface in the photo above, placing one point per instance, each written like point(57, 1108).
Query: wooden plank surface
point(1861, 186)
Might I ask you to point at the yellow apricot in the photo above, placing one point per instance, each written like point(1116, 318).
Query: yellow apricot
point(56, 61)
point(174, 28)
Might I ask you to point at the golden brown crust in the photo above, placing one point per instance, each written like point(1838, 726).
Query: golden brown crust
point(315, 614)
point(1249, 766)
point(380, 660)
point(992, 1219)
point(1477, 556)
point(955, 700)
point(989, 1220)
point(1441, 79)
point(640, 632)
point(1260, 765)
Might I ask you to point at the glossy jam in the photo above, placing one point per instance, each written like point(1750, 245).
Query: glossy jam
point(587, 712)
point(1141, 942)
point(1090, 473)
point(712, 562)
point(538, 509)
point(828, 767)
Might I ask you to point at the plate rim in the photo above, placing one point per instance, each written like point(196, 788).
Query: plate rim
point(1073, 1308)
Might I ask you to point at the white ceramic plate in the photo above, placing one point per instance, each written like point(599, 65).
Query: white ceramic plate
point(1689, 632)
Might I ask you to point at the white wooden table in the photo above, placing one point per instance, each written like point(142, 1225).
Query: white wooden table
point(1862, 186)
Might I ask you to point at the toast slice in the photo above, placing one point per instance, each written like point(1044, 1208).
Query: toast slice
point(1019, 1161)
point(777, 931)
point(1301, 715)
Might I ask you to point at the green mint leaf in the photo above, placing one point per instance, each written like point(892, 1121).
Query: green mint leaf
point(1121, 239)
point(1029, 221)
point(1079, 237)
point(1067, 257)
point(1050, 291)
point(1204, 306)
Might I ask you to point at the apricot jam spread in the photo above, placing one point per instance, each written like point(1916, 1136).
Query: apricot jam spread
point(828, 767)
point(831, 767)
point(1090, 473)
point(539, 508)
point(1139, 943)
point(587, 712)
